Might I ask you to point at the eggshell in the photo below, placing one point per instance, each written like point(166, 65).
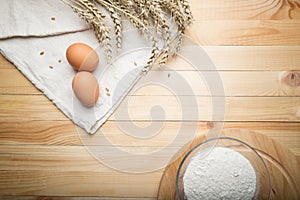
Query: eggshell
point(82, 57)
point(86, 88)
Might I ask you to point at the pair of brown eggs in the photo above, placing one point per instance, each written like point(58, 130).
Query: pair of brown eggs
point(85, 60)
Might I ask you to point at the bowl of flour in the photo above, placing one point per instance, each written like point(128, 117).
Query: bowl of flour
point(223, 168)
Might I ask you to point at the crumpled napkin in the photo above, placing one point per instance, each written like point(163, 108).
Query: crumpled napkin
point(27, 30)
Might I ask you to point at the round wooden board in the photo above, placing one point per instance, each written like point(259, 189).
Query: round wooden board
point(283, 165)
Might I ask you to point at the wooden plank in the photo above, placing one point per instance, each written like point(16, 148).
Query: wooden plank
point(37, 107)
point(47, 170)
point(245, 32)
point(48, 158)
point(241, 58)
point(280, 58)
point(56, 133)
point(64, 169)
point(38, 132)
point(52, 132)
point(58, 183)
point(4, 63)
point(29, 106)
point(236, 83)
point(77, 158)
point(247, 9)
point(69, 198)
point(14, 82)
point(254, 108)
point(64, 133)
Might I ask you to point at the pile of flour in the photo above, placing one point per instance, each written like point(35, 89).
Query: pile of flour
point(221, 173)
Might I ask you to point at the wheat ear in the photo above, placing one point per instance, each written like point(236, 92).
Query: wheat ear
point(143, 14)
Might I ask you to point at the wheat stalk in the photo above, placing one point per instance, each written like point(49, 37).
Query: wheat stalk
point(118, 25)
point(187, 11)
point(91, 14)
point(144, 15)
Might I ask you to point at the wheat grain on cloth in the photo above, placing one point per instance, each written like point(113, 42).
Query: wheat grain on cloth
point(34, 37)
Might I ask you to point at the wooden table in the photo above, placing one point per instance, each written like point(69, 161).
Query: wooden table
point(255, 45)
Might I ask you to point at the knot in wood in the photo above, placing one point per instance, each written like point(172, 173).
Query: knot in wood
point(292, 79)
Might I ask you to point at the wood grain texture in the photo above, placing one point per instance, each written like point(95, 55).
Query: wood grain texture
point(64, 133)
point(72, 183)
point(235, 83)
point(255, 47)
point(13, 82)
point(11, 197)
point(247, 9)
point(14, 107)
point(249, 32)
point(43, 132)
point(71, 158)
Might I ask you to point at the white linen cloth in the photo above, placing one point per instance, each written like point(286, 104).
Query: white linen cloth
point(27, 30)
point(37, 18)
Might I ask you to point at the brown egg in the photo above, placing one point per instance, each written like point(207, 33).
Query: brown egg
point(86, 88)
point(82, 57)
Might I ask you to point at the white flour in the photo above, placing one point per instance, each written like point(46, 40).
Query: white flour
point(222, 174)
